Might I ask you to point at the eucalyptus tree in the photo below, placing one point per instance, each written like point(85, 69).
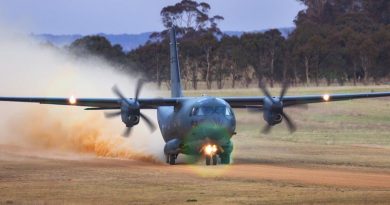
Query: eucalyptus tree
point(254, 45)
point(274, 46)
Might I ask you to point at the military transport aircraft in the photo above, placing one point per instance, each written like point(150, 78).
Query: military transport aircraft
point(200, 126)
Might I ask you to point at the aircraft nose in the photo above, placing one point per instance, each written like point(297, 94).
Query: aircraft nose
point(217, 121)
point(215, 124)
point(221, 123)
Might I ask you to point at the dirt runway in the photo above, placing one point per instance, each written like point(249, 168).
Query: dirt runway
point(28, 175)
point(305, 175)
point(330, 177)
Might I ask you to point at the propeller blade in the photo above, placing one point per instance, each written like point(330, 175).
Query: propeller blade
point(127, 132)
point(138, 88)
point(112, 114)
point(265, 91)
point(284, 90)
point(116, 90)
point(291, 126)
point(149, 122)
point(266, 129)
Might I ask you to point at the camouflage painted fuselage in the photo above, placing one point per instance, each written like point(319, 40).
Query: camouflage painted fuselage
point(185, 130)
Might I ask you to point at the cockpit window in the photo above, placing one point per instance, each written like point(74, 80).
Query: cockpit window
point(228, 112)
point(220, 110)
point(209, 110)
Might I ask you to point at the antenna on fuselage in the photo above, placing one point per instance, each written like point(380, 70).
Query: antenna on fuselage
point(175, 67)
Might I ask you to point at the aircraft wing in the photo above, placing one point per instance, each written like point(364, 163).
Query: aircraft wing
point(153, 103)
point(244, 102)
point(95, 103)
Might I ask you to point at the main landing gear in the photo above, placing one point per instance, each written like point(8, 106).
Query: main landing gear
point(171, 159)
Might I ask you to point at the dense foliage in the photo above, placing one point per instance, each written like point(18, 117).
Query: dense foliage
point(335, 41)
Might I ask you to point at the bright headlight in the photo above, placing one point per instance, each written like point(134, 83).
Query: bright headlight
point(210, 149)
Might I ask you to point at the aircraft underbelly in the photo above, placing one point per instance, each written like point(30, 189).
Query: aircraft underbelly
point(164, 118)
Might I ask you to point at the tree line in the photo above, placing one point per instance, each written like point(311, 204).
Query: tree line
point(335, 41)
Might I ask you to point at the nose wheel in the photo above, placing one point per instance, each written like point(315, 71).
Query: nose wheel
point(211, 159)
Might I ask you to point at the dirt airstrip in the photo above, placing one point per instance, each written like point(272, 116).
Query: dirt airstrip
point(28, 175)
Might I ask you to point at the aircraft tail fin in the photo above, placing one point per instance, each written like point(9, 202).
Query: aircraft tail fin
point(176, 90)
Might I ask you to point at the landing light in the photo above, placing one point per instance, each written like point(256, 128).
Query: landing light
point(210, 149)
point(72, 100)
point(326, 97)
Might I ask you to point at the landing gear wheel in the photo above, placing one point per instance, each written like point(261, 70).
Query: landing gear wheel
point(215, 160)
point(172, 159)
point(167, 158)
point(208, 160)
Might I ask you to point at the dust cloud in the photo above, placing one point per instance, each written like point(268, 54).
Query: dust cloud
point(30, 69)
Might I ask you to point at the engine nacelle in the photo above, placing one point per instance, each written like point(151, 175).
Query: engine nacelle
point(272, 118)
point(131, 120)
point(130, 116)
point(273, 112)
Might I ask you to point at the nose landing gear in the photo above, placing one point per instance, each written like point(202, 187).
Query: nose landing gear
point(213, 159)
point(210, 152)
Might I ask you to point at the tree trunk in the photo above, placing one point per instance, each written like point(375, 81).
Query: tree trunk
point(296, 79)
point(194, 76)
point(354, 73)
point(364, 61)
point(259, 80)
point(184, 74)
point(219, 80)
point(307, 70)
point(317, 74)
point(220, 84)
point(233, 76)
point(272, 68)
point(158, 74)
point(284, 77)
point(208, 76)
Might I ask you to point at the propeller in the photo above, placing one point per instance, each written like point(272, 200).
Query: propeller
point(274, 107)
point(112, 114)
point(130, 110)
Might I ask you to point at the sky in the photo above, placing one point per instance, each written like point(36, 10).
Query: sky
point(137, 16)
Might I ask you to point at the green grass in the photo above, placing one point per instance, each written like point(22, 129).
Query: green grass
point(292, 91)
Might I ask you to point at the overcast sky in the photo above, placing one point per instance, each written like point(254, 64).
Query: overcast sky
point(136, 16)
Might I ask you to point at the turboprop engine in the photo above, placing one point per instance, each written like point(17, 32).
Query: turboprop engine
point(130, 110)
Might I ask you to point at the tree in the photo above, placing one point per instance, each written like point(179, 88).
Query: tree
point(350, 40)
point(189, 15)
point(382, 62)
point(379, 10)
point(305, 50)
point(254, 45)
point(151, 61)
point(208, 43)
point(368, 53)
point(191, 52)
point(274, 45)
point(99, 46)
point(334, 40)
point(230, 49)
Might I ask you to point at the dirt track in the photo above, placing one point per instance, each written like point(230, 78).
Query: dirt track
point(342, 178)
point(30, 175)
point(319, 176)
